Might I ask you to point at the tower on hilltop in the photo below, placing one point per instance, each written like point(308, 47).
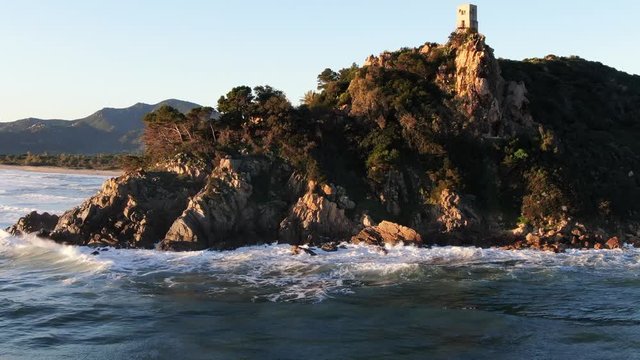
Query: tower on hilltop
point(467, 17)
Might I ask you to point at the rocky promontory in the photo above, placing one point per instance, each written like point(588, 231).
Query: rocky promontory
point(433, 145)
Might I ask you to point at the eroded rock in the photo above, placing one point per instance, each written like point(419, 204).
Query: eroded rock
point(455, 213)
point(240, 205)
point(315, 219)
point(387, 233)
point(42, 224)
point(133, 210)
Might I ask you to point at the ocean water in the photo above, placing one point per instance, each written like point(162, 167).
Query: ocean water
point(261, 302)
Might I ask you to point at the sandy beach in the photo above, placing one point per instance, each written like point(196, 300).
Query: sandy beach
point(60, 170)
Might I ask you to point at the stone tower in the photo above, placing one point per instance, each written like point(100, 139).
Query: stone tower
point(467, 17)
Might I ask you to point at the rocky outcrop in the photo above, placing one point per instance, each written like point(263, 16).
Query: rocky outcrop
point(456, 214)
point(563, 235)
point(493, 106)
point(395, 133)
point(133, 210)
point(186, 165)
point(229, 211)
point(315, 219)
point(387, 233)
point(41, 224)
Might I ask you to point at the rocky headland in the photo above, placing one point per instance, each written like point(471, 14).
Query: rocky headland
point(435, 145)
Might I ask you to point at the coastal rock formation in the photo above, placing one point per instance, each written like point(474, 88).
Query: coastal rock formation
point(133, 210)
point(490, 105)
point(185, 165)
point(42, 224)
point(456, 214)
point(229, 212)
point(315, 219)
point(387, 233)
point(493, 106)
point(564, 235)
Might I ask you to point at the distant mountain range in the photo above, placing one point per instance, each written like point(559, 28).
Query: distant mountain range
point(106, 131)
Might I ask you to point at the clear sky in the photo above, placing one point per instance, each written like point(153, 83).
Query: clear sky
point(68, 58)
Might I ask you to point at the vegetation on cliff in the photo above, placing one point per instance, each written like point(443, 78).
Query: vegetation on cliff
point(588, 135)
point(412, 123)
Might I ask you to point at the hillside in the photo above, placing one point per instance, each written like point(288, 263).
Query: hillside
point(106, 131)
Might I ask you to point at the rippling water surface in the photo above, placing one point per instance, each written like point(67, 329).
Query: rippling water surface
point(61, 302)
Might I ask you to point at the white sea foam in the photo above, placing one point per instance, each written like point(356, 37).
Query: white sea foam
point(31, 251)
point(272, 273)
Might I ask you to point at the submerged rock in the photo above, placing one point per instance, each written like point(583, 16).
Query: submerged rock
point(297, 250)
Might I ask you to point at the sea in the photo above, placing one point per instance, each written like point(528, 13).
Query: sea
point(262, 302)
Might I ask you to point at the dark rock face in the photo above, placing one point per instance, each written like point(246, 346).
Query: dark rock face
point(133, 210)
point(42, 224)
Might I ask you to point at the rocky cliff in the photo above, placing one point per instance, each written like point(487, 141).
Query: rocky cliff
point(493, 106)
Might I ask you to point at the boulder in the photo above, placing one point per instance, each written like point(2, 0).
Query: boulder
point(297, 250)
point(613, 243)
point(387, 233)
point(329, 246)
point(634, 241)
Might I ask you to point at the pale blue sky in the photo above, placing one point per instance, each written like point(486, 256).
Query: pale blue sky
point(68, 58)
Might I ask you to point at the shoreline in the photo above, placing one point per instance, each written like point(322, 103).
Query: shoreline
point(61, 170)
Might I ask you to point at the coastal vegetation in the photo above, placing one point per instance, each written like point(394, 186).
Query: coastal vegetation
point(70, 161)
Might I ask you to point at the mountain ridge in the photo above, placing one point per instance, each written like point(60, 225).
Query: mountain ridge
point(108, 130)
